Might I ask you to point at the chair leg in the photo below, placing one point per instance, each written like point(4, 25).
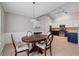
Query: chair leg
point(45, 52)
point(28, 53)
point(50, 51)
point(15, 53)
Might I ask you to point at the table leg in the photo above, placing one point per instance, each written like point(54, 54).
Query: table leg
point(35, 48)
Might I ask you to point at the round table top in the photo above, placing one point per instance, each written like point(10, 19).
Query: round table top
point(34, 38)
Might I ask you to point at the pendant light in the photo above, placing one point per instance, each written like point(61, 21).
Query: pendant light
point(36, 24)
point(33, 20)
point(33, 9)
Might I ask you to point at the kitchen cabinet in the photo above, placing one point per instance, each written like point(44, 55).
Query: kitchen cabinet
point(55, 33)
point(72, 37)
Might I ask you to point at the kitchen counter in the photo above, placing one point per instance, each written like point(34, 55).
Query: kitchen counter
point(71, 32)
point(68, 29)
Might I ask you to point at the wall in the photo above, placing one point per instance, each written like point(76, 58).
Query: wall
point(67, 20)
point(0, 30)
point(45, 22)
point(2, 20)
point(20, 24)
point(17, 24)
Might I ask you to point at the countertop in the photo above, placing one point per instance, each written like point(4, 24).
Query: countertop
point(68, 29)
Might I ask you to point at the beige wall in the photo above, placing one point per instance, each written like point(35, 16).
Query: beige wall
point(68, 20)
point(45, 22)
point(0, 26)
point(2, 36)
point(17, 23)
point(20, 24)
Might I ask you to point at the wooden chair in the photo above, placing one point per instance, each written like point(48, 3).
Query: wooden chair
point(20, 47)
point(29, 33)
point(46, 44)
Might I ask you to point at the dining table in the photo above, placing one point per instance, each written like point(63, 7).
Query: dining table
point(33, 39)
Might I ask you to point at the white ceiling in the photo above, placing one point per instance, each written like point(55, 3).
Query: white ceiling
point(68, 8)
point(26, 8)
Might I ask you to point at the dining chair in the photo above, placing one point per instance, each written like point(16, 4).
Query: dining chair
point(29, 33)
point(20, 46)
point(46, 44)
point(37, 33)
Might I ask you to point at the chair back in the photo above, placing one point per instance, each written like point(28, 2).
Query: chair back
point(37, 33)
point(13, 42)
point(49, 40)
point(29, 33)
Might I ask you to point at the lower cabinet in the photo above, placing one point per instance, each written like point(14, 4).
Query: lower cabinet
point(55, 32)
point(72, 37)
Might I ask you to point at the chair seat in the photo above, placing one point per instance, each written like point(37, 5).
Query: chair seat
point(22, 46)
point(41, 45)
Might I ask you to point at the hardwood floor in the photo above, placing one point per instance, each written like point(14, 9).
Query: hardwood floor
point(60, 47)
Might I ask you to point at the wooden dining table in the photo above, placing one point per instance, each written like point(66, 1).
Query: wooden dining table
point(34, 39)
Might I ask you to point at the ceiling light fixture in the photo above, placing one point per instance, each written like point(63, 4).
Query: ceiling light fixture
point(33, 20)
point(36, 24)
point(33, 9)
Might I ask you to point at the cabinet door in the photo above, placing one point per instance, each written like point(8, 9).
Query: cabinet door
point(72, 37)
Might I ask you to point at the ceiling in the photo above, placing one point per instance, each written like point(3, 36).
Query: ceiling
point(68, 8)
point(26, 8)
